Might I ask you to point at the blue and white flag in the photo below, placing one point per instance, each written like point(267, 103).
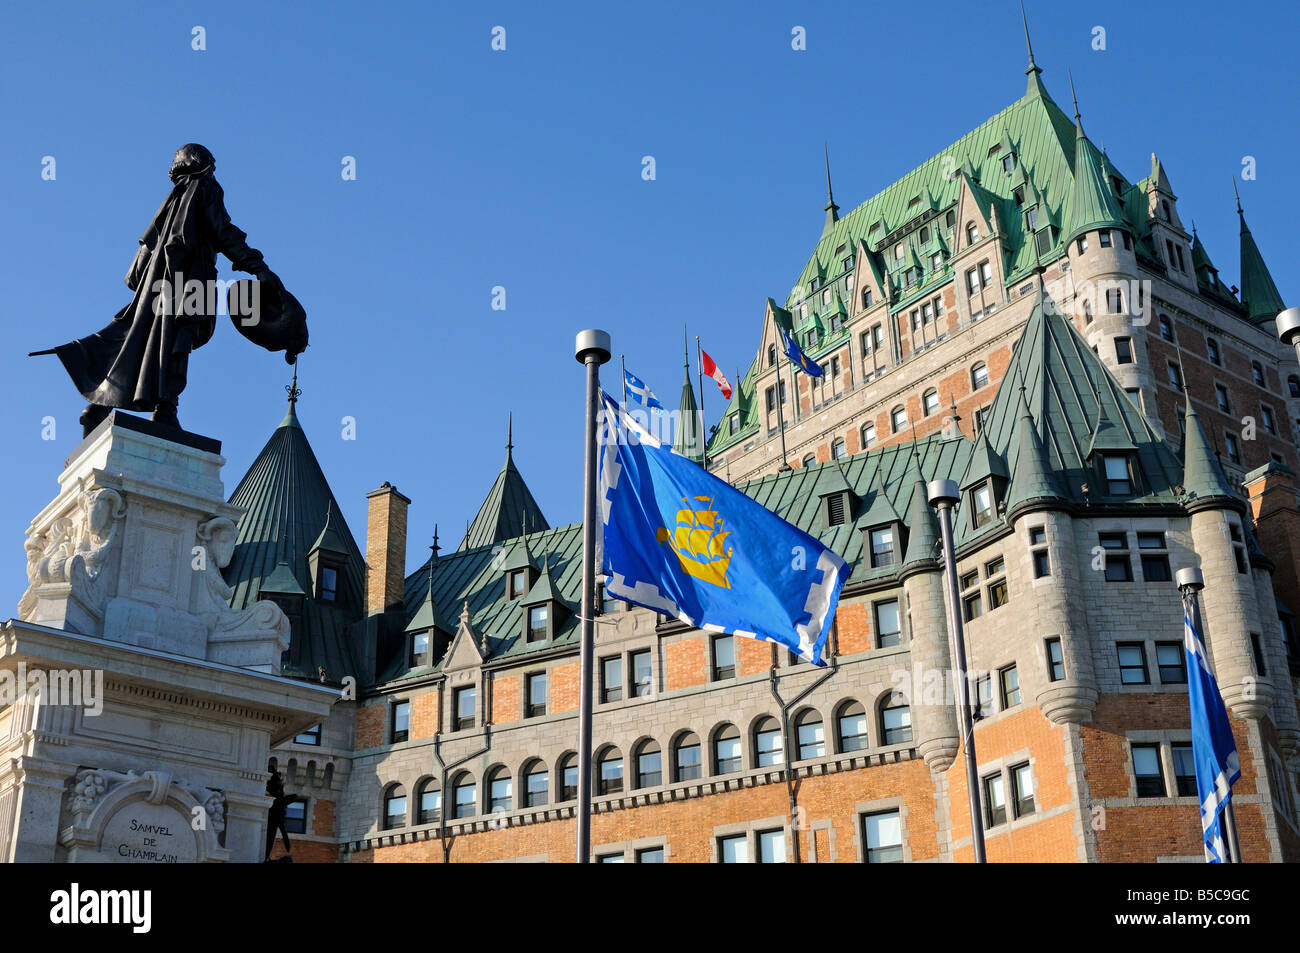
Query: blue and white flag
point(1214, 752)
point(798, 357)
point(680, 541)
point(639, 392)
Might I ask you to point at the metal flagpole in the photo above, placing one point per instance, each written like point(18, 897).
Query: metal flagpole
point(703, 431)
point(1190, 582)
point(592, 350)
point(623, 366)
point(943, 495)
point(780, 412)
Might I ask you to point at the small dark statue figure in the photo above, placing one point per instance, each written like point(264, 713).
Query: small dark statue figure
point(139, 361)
point(279, 805)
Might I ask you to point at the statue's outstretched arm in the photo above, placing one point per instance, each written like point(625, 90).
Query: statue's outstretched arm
point(230, 240)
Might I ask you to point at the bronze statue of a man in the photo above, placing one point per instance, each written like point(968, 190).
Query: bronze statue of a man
point(139, 361)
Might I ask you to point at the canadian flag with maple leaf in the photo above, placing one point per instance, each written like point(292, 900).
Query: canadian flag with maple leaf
point(711, 369)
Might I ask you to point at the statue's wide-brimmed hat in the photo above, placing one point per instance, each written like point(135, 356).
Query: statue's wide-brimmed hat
point(268, 315)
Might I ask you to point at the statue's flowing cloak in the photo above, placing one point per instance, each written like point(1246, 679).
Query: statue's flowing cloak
point(139, 359)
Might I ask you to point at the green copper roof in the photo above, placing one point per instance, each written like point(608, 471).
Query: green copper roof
point(519, 556)
point(1033, 480)
point(429, 616)
point(1107, 437)
point(1259, 295)
point(288, 502)
point(543, 590)
point(985, 462)
point(509, 504)
point(922, 524)
point(1095, 203)
point(687, 440)
point(1203, 478)
point(329, 539)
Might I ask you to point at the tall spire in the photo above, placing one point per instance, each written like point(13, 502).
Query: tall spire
point(832, 210)
point(1095, 203)
point(688, 440)
point(294, 392)
point(1259, 294)
point(510, 434)
point(1033, 72)
point(1203, 478)
point(1077, 121)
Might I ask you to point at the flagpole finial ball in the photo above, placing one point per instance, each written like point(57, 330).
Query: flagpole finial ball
point(1190, 578)
point(592, 344)
point(1288, 325)
point(942, 491)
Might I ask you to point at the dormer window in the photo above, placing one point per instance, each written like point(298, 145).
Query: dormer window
point(983, 504)
point(538, 623)
point(518, 583)
point(419, 649)
point(1119, 479)
point(329, 584)
point(882, 546)
point(1008, 163)
point(814, 285)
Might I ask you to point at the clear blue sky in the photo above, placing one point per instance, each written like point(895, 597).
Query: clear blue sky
point(522, 169)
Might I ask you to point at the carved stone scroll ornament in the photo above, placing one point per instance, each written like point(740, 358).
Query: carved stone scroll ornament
point(89, 786)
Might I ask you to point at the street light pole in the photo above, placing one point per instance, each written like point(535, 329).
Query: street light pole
point(1288, 328)
point(592, 349)
point(943, 495)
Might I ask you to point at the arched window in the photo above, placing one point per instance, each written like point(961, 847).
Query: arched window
point(394, 807)
point(767, 743)
point(950, 220)
point(809, 735)
point(649, 765)
point(979, 375)
point(1087, 312)
point(868, 435)
point(1293, 383)
point(686, 757)
point(838, 448)
point(464, 792)
point(930, 402)
point(972, 233)
point(809, 459)
point(429, 796)
point(851, 723)
point(609, 771)
point(568, 772)
point(895, 719)
point(898, 418)
point(726, 750)
point(500, 790)
point(537, 783)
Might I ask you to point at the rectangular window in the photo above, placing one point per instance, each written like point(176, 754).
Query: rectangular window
point(1103, 238)
point(466, 700)
point(1146, 771)
point(650, 855)
point(419, 648)
point(995, 801)
point(973, 280)
point(724, 657)
point(1055, 662)
point(518, 583)
point(1118, 481)
point(1257, 649)
point(882, 547)
point(1212, 351)
point(1042, 564)
point(1234, 449)
point(609, 858)
point(1221, 395)
point(295, 817)
point(887, 627)
point(883, 834)
point(984, 707)
point(984, 509)
point(1124, 350)
point(537, 616)
point(1132, 663)
point(536, 695)
point(611, 679)
point(1155, 568)
point(734, 849)
point(1175, 376)
point(329, 584)
point(1270, 422)
point(401, 722)
point(1114, 301)
point(1022, 789)
point(986, 274)
point(1009, 679)
point(771, 847)
point(309, 737)
point(1184, 770)
point(642, 675)
point(1171, 660)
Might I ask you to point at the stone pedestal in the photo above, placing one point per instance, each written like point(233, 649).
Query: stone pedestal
point(137, 709)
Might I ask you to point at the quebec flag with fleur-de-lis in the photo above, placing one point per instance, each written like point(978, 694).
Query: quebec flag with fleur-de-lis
point(680, 541)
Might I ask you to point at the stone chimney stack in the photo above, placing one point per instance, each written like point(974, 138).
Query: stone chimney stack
point(385, 548)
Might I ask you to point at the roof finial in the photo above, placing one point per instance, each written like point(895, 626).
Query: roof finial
point(1236, 195)
point(686, 351)
point(832, 210)
point(433, 559)
point(1070, 73)
point(293, 390)
point(510, 432)
point(1033, 67)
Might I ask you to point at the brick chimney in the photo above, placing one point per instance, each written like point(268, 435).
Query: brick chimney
point(385, 548)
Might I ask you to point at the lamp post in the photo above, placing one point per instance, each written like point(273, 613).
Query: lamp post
point(1190, 582)
point(591, 349)
point(943, 495)
point(1288, 328)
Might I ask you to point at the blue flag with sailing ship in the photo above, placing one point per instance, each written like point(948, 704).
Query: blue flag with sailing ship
point(680, 541)
point(798, 357)
point(1214, 751)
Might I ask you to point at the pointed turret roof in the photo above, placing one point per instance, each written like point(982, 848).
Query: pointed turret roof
point(1035, 74)
point(508, 505)
point(688, 441)
point(1095, 203)
point(1032, 480)
point(1259, 295)
point(1203, 479)
point(289, 504)
point(923, 527)
point(832, 210)
point(428, 615)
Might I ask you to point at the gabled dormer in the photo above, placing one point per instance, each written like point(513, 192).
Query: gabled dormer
point(882, 531)
point(427, 634)
point(1113, 457)
point(520, 569)
point(282, 588)
point(327, 559)
point(836, 497)
point(984, 484)
point(542, 607)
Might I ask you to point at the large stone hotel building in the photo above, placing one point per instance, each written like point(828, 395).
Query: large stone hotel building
point(1017, 315)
